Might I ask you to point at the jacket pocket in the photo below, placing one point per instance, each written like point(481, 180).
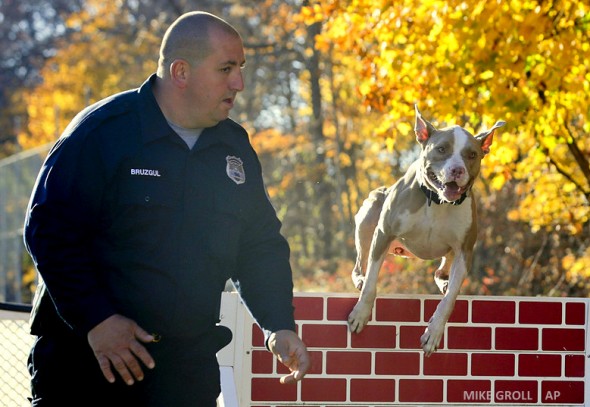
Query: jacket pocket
point(224, 238)
point(145, 214)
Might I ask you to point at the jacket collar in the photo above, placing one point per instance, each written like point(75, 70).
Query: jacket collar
point(153, 122)
point(155, 126)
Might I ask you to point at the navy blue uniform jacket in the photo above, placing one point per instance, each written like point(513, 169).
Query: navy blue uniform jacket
point(124, 218)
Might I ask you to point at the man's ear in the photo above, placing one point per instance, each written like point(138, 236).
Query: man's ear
point(486, 137)
point(179, 72)
point(423, 128)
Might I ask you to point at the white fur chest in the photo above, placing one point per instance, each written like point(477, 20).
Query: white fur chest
point(433, 230)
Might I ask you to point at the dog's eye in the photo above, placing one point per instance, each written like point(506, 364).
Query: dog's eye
point(441, 149)
point(472, 155)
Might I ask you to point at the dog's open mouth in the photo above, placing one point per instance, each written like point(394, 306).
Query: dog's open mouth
point(449, 191)
point(453, 191)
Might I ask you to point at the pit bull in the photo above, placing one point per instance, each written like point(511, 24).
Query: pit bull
point(429, 213)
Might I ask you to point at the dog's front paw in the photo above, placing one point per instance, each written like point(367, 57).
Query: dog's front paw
point(358, 318)
point(431, 337)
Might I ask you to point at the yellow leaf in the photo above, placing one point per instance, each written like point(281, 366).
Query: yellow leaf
point(389, 143)
point(481, 42)
point(486, 75)
point(404, 128)
point(498, 182)
point(468, 80)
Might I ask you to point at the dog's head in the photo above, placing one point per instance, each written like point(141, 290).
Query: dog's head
point(451, 157)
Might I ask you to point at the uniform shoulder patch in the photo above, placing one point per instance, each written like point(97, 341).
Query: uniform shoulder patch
point(235, 169)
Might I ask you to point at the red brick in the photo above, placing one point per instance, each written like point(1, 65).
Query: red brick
point(325, 336)
point(574, 365)
point(420, 391)
point(313, 389)
point(569, 340)
point(446, 364)
point(536, 312)
point(316, 358)
point(265, 389)
point(374, 336)
point(396, 309)
point(460, 312)
point(515, 391)
point(308, 308)
point(316, 362)
point(257, 336)
point(348, 362)
point(493, 312)
point(262, 361)
point(469, 337)
point(469, 391)
point(539, 365)
point(575, 313)
point(397, 363)
point(409, 337)
point(492, 364)
point(372, 390)
point(562, 392)
point(517, 339)
point(340, 308)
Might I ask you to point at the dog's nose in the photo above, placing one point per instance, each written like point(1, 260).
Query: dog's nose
point(457, 172)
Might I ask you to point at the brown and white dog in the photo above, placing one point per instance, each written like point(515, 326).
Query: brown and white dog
point(429, 213)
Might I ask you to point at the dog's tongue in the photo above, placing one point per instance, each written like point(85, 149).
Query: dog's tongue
point(452, 191)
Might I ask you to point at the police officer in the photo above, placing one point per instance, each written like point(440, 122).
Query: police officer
point(149, 201)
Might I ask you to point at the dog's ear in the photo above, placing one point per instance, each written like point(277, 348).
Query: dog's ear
point(486, 137)
point(423, 128)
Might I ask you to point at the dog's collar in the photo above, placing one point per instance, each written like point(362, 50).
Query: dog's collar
point(432, 196)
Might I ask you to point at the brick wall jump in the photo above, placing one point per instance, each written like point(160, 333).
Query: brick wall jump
point(496, 350)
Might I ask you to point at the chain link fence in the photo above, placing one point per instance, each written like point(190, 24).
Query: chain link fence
point(15, 344)
point(17, 177)
point(17, 275)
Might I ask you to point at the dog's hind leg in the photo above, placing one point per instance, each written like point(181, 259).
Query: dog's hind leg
point(366, 221)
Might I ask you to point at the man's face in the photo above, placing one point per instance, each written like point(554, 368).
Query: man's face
point(215, 81)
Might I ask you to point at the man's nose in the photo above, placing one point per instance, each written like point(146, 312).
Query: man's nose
point(237, 82)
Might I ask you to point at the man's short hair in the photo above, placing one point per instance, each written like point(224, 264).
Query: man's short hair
point(188, 38)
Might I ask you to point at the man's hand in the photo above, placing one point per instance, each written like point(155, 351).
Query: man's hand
point(291, 352)
point(117, 342)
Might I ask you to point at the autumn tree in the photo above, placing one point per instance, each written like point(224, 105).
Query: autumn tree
point(110, 47)
point(29, 31)
point(99, 57)
point(330, 90)
point(472, 62)
point(106, 47)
